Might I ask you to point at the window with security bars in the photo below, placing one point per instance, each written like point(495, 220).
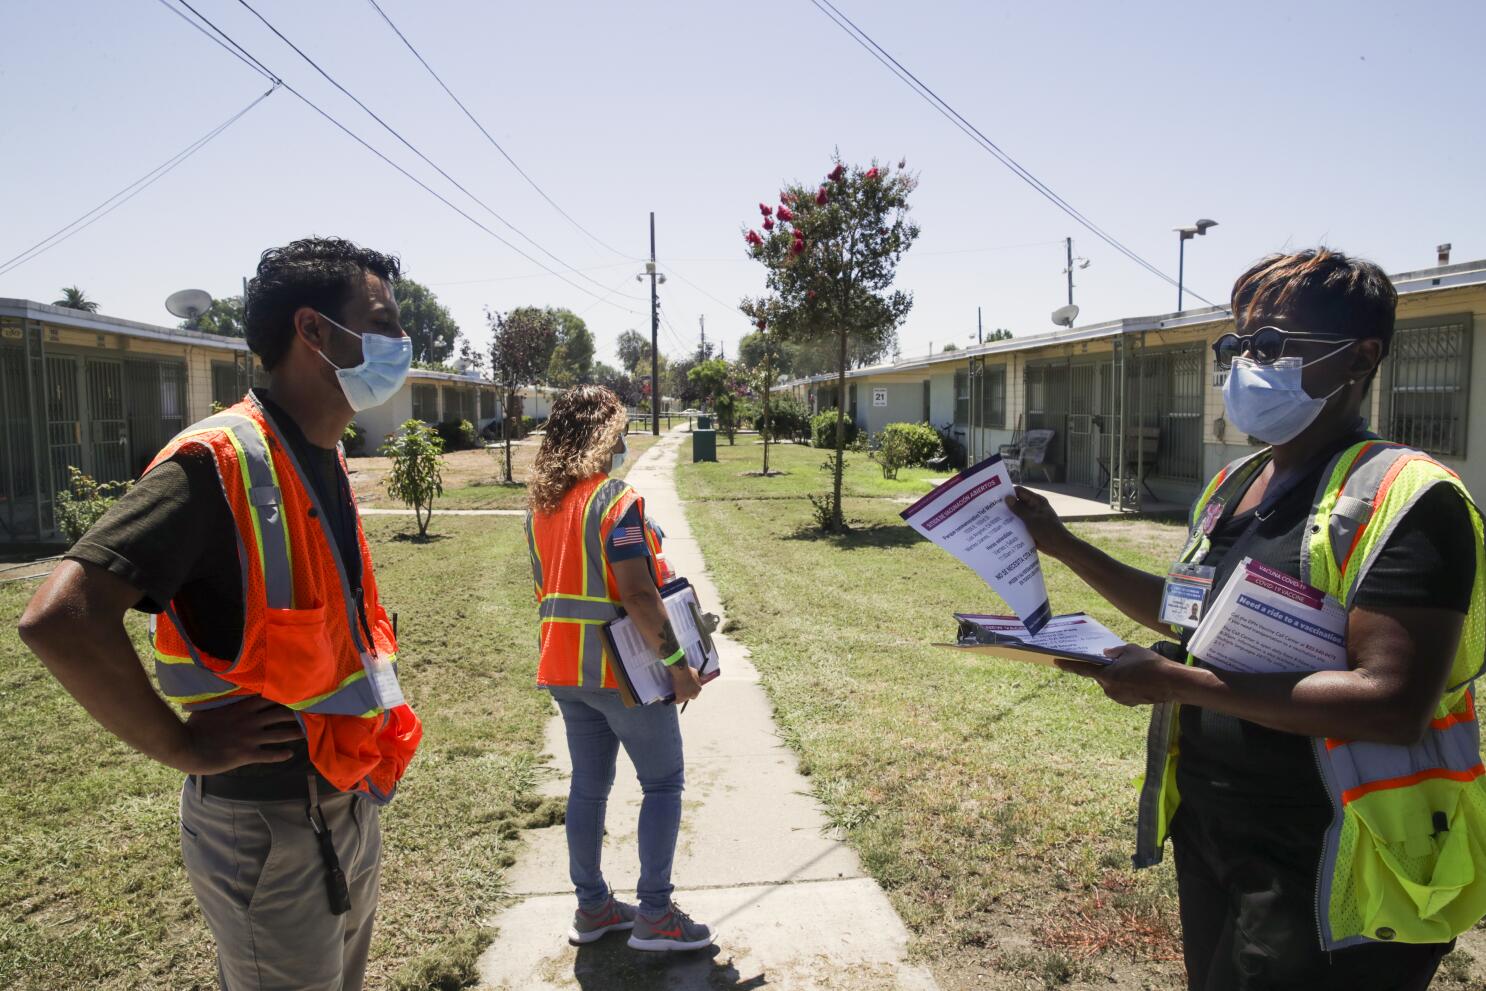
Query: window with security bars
point(426, 403)
point(1428, 385)
point(962, 397)
point(487, 404)
point(992, 388)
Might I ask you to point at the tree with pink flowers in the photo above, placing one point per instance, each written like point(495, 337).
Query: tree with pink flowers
point(831, 251)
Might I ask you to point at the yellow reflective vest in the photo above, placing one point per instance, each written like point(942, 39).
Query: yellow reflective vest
point(1404, 858)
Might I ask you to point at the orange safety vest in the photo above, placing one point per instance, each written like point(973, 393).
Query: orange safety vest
point(309, 638)
point(576, 592)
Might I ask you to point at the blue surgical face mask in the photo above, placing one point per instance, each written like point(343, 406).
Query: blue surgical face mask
point(384, 365)
point(1268, 402)
point(618, 457)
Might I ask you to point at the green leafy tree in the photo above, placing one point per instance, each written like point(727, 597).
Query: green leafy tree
point(709, 378)
point(831, 254)
point(634, 353)
point(1000, 334)
point(416, 479)
point(473, 358)
point(951, 346)
point(622, 383)
point(427, 321)
point(224, 317)
point(74, 298)
point(521, 346)
point(571, 361)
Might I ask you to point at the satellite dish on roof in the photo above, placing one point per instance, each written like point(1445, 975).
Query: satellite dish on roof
point(188, 304)
point(1064, 316)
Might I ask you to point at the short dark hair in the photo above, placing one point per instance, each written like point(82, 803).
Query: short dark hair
point(1322, 291)
point(319, 272)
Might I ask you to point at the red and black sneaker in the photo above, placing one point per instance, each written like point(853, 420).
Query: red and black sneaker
point(613, 916)
point(673, 930)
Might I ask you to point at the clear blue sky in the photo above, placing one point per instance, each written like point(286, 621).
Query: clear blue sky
point(1287, 123)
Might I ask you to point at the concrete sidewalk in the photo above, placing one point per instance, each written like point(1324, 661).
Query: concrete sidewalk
point(790, 902)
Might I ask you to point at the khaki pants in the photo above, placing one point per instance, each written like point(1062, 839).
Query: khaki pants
point(259, 878)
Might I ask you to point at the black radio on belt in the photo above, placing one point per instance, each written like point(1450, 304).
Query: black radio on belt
point(335, 878)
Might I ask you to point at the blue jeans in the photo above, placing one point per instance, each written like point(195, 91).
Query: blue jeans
point(597, 724)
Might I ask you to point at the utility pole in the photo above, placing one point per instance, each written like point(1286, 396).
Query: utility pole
point(702, 349)
point(1069, 242)
point(980, 334)
point(654, 339)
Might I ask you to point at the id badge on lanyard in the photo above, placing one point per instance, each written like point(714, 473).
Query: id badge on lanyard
point(1185, 596)
point(383, 676)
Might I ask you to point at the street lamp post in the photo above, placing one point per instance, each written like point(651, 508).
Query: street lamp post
point(1183, 235)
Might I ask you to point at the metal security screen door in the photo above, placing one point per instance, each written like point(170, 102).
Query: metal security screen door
point(63, 428)
point(107, 437)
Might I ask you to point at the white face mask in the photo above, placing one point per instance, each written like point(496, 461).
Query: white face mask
point(617, 458)
point(384, 365)
point(1268, 402)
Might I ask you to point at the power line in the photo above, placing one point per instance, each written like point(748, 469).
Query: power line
point(954, 117)
point(413, 148)
point(128, 192)
point(495, 144)
point(260, 67)
point(515, 278)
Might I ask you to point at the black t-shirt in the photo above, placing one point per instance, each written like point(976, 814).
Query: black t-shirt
point(172, 537)
point(1428, 561)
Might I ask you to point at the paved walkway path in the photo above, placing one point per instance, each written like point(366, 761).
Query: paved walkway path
point(791, 904)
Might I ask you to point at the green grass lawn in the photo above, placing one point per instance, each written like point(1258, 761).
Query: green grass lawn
point(491, 493)
point(726, 479)
point(92, 894)
point(994, 801)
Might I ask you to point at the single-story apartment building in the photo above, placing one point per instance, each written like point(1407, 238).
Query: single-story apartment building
point(103, 395)
point(1138, 398)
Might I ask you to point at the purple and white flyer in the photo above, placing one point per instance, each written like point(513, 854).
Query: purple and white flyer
point(968, 517)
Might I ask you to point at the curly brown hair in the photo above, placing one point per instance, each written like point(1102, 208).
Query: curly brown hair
point(582, 428)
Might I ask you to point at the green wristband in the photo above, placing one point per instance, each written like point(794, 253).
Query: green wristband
point(675, 658)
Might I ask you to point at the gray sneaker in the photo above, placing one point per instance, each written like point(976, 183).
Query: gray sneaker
point(673, 930)
point(613, 916)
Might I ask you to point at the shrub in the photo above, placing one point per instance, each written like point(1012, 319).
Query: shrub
point(458, 435)
point(83, 501)
point(906, 445)
point(417, 469)
point(788, 418)
point(354, 439)
point(823, 429)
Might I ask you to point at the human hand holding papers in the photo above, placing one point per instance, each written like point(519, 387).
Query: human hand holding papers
point(1265, 622)
point(968, 517)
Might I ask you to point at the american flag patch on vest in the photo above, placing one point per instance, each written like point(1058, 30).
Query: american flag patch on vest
point(627, 536)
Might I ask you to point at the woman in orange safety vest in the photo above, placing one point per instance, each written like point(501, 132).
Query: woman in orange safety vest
point(593, 557)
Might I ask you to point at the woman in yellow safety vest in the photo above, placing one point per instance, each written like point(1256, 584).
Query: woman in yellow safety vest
point(1329, 826)
point(593, 553)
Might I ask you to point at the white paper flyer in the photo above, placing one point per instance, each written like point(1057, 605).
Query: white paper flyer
point(968, 517)
point(1266, 622)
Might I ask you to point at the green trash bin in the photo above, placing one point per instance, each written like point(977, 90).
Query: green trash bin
point(703, 445)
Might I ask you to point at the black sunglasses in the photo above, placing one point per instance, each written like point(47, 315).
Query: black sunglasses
point(1267, 344)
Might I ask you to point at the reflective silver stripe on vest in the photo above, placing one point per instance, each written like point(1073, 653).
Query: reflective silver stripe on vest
point(531, 550)
point(355, 698)
point(187, 682)
point(1454, 748)
point(1357, 499)
point(266, 502)
point(595, 580)
point(557, 607)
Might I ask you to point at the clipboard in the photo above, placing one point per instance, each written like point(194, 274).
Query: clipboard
point(637, 675)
